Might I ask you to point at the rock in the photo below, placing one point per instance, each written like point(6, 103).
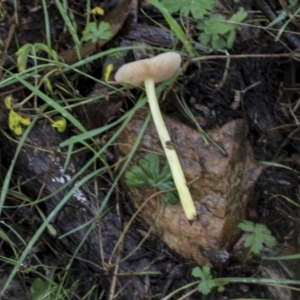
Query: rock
point(220, 185)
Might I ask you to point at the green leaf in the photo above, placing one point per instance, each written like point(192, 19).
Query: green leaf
point(219, 32)
point(96, 32)
point(218, 42)
point(260, 235)
point(172, 6)
point(170, 198)
point(270, 241)
point(204, 38)
point(165, 174)
point(216, 26)
point(230, 39)
point(148, 172)
point(136, 177)
point(151, 165)
point(39, 289)
point(221, 284)
point(239, 16)
point(247, 226)
point(206, 286)
point(207, 282)
point(196, 8)
point(197, 272)
point(221, 289)
point(253, 242)
point(175, 27)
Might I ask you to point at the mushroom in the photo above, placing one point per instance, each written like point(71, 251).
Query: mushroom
point(148, 72)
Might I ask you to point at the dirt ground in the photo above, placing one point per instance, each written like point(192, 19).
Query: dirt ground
point(262, 86)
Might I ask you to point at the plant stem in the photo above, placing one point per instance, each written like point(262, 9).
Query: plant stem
point(172, 157)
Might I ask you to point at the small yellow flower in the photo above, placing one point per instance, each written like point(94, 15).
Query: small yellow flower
point(15, 119)
point(107, 72)
point(18, 130)
point(14, 122)
point(7, 101)
point(24, 119)
point(97, 11)
point(60, 124)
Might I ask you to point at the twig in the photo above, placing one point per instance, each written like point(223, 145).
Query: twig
point(239, 95)
point(195, 290)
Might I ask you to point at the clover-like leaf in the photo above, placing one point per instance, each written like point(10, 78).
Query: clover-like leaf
point(170, 198)
point(220, 32)
point(150, 163)
point(196, 8)
point(40, 289)
point(260, 235)
point(207, 282)
point(136, 177)
point(94, 32)
point(148, 172)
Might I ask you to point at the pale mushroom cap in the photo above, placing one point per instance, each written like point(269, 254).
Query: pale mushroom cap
point(160, 67)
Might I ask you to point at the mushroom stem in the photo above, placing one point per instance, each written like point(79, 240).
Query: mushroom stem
point(172, 157)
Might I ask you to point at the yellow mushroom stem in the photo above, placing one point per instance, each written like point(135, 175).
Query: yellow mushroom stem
point(172, 157)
